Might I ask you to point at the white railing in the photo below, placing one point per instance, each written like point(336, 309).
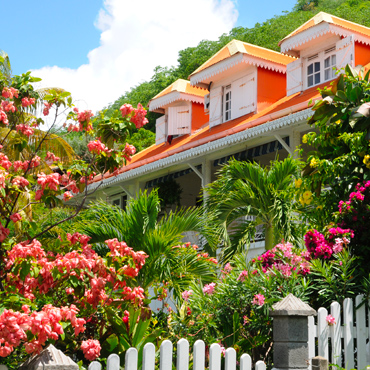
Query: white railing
point(343, 344)
point(182, 361)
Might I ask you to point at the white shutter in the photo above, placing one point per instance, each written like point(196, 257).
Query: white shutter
point(215, 107)
point(294, 77)
point(244, 96)
point(179, 120)
point(345, 52)
point(160, 130)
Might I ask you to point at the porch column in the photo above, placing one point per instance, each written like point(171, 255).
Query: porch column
point(207, 176)
point(295, 142)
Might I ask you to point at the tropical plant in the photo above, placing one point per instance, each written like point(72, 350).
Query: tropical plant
point(248, 189)
point(58, 292)
point(142, 229)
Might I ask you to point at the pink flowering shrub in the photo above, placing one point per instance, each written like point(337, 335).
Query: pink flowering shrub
point(58, 289)
point(234, 309)
point(95, 284)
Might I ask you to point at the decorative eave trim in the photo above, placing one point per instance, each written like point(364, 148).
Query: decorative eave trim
point(212, 146)
point(231, 62)
point(317, 31)
point(172, 97)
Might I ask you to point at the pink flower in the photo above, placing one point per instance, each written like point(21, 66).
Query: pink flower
point(67, 196)
point(139, 117)
point(209, 288)
point(51, 157)
point(126, 109)
point(15, 217)
point(258, 300)
point(186, 294)
point(91, 349)
point(98, 147)
point(70, 290)
point(330, 320)
point(46, 109)
point(128, 151)
point(338, 246)
point(242, 276)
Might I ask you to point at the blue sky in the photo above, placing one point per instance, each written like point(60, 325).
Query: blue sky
point(99, 49)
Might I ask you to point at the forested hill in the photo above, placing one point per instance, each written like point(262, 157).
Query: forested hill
point(267, 34)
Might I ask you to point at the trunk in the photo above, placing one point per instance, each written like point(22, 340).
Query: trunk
point(269, 237)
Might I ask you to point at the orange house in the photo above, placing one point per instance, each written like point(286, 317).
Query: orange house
point(246, 102)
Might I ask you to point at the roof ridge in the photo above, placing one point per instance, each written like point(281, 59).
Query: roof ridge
point(267, 49)
point(212, 57)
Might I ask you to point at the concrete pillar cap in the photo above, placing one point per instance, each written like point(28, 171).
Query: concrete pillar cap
point(291, 306)
point(50, 358)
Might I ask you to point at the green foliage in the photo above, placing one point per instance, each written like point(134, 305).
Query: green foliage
point(341, 157)
point(142, 139)
point(231, 314)
point(169, 193)
point(142, 229)
point(248, 189)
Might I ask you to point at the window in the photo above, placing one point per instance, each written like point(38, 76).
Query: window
point(227, 103)
point(321, 67)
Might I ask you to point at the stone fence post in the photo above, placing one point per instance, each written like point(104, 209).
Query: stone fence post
point(290, 333)
point(49, 359)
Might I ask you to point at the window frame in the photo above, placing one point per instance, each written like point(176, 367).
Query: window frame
point(226, 113)
point(318, 60)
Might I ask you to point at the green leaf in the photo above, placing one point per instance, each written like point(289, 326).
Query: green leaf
point(25, 270)
point(113, 342)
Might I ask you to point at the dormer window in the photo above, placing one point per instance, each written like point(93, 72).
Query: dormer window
point(227, 103)
point(313, 71)
point(320, 67)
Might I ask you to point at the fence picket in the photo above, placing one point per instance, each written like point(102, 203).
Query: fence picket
point(323, 333)
point(130, 359)
point(230, 359)
point(245, 362)
point(199, 355)
point(260, 365)
point(335, 331)
point(93, 366)
point(113, 362)
point(149, 357)
point(166, 355)
point(215, 357)
point(361, 334)
point(182, 354)
point(349, 360)
point(311, 338)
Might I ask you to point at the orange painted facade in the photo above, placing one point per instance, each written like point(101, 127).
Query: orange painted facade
point(271, 86)
point(198, 117)
point(362, 54)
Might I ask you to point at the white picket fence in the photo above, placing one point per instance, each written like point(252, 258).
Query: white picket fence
point(182, 360)
point(343, 344)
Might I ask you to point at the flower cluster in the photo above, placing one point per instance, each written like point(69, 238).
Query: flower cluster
point(98, 147)
point(91, 349)
point(137, 116)
point(209, 288)
point(16, 327)
point(282, 258)
point(90, 269)
point(320, 247)
point(258, 300)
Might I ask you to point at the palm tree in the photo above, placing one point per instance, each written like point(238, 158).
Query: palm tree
point(142, 229)
point(248, 189)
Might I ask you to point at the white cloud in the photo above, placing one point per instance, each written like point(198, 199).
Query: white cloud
point(137, 36)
